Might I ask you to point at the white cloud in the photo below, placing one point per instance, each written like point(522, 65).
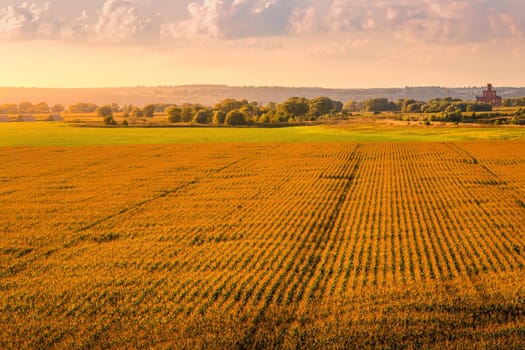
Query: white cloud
point(22, 21)
point(428, 20)
point(141, 21)
point(74, 28)
point(232, 19)
point(121, 20)
point(34, 21)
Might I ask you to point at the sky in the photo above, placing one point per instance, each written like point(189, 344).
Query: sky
point(318, 43)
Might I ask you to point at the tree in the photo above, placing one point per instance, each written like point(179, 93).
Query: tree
point(201, 117)
point(272, 106)
point(136, 112)
point(230, 104)
point(218, 117)
point(109, 120)
point(174, 114)
point(25, 107)
point(187, 112)
point(107, 113)
point(294, 107)
point(323, 106)
point(126, 110)
point(115, 107)
point(235, 118)
point(104, 111)
point(379, 105)
point(9, 108)
point(403, 104)
point(338, 106)
point(250, 111)
point(58, 108)
point(149, 111)
point(82, 107)
point(353, 106)
point(41, 107)
point(479, 107)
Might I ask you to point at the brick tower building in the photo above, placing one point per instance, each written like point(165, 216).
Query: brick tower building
point(490, 96)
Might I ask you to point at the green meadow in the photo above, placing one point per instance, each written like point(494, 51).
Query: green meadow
point(63, 134)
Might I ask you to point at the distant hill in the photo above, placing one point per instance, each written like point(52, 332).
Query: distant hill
point(210, 94)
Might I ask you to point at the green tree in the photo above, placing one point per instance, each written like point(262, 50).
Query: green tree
point(104, 111)
point(230, 104)
point(174, 114)
point(235, 118)
point(109, 121)
point(187, 112)
point(82, 107)
point(107, 113)
point(219, 117)
point(201, 117)
point(379, 105)
point(265, 117)
point(149, 111)
point(405, 103)
point(353, 106)
point(294, 107)
point(320, 106)
point(251, 111)
point(413, 107)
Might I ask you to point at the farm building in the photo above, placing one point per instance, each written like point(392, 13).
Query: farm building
point(490, 96)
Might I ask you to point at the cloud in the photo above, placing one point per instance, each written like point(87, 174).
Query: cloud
point(22, 21)
point(74, 28)
point(428, 20)
point(121, 20)
point(145, 21)
point(234, 19)
point(34, 21)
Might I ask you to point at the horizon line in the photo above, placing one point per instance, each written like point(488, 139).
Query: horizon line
point(256, 86)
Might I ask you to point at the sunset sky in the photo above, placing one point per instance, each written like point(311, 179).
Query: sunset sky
point(325, 43)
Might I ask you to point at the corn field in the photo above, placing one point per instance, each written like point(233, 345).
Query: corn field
point(288, 245)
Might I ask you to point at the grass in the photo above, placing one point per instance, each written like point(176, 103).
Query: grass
point(62, 134)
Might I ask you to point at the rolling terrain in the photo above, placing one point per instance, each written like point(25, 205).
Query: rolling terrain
point(211, 94)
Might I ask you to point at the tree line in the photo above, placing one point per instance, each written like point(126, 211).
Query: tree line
point(243, 112)
point(514, 102)
point(28, 107)
point(447, 104)
point(232, 111)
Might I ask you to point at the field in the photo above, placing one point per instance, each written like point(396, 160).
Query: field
point(63, 134)
point(263, 244)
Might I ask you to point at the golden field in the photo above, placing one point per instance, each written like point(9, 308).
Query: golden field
point(280, 245)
